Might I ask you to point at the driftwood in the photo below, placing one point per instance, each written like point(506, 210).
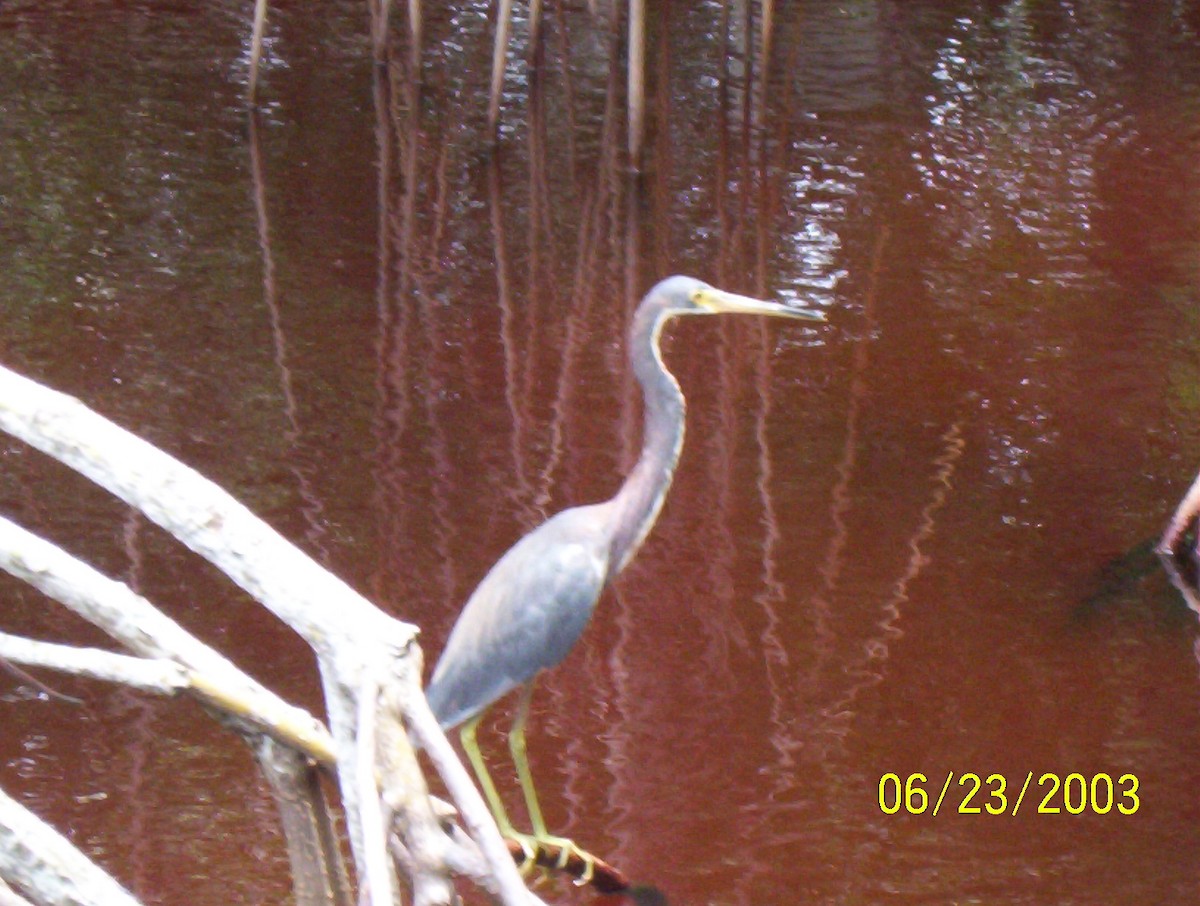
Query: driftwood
point(1183, 523)
point(37, 858)
point(1179, 547)
point(370, 668)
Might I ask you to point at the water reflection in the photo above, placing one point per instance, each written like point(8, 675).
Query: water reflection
point(1010, 130)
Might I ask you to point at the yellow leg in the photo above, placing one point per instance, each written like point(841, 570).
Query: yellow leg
point(471, 747)
point(516, 745)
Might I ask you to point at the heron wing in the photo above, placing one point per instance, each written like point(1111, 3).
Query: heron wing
point(524, 617)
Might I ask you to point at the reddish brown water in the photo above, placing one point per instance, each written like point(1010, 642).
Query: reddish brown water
point(911, 540)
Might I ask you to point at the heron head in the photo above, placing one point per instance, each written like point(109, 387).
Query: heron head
point(688, 296)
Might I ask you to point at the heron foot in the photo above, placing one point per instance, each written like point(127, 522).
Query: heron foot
point(556, 854)
point(571, 857)
point(529, 850)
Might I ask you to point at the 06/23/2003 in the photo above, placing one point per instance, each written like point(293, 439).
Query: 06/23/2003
point(1073, 794)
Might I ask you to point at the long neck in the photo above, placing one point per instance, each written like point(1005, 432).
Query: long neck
point(636, 505)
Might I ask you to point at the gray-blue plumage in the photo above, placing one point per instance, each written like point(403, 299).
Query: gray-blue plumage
point(532, 606)
point(524, 617)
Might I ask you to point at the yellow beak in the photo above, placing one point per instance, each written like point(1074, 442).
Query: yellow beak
point(719, 301)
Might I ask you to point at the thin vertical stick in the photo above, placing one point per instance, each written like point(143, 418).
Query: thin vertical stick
point(414, 27)
point(503, 24)
point(256, 41)
point(766, 31)
point(723, 118)
point(637, 81)
point(384, 14)
point(535, 32)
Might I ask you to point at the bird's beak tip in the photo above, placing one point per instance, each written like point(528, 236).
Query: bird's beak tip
point(806, 314)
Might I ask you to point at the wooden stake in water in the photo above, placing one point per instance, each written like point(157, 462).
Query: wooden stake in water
point(535, 32)
point(256, 41)
point(766, 32)
point(499, 53)
point(637, 81)
point(414, 27)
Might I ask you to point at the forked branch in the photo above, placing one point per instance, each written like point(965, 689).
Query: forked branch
point(356, 644)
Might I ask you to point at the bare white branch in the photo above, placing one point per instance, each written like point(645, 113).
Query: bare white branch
point(35, 857)
point(148, 674)
point(9, 897)
point(337, 622)
point(510, 888)
point(140, 626)
point(354, 641)
point(381, 890)
point(311, 600)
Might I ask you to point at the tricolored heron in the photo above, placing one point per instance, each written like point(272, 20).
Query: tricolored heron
point(532, 606)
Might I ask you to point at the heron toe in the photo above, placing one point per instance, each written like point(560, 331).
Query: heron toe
point(529, 849)
point(568, 851)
